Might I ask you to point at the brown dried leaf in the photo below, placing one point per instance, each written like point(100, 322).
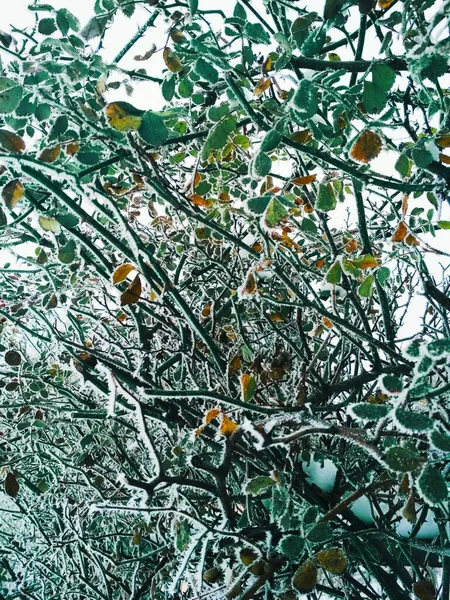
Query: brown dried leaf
point(72, 148)
point(304, 180)
point(333, 560)
point(301, 137)
point(147, 55)
point(200, 201)
point(305, 577)
point(11, 485)
point(49, 155)
point(133, 292)
point(11, 141)
point(424, 590)
point(367, 147)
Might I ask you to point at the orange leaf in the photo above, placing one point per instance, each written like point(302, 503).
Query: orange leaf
point(444, 158)
point(200, 201)
point(400, 233)
point(327, 322)
point(277, 318)
point(227, 426)
point(405, 204)
point(210, 415)
point(248, 386)
point(351, 246)
point(206, 311)
point(122, 272)
point(385, 3)
point(197, 178)
point(49, 155)
point(173, 63)
point(235, 365)
point(301, 137)
point(304, 180)
point(320, 263)
point(133, 292)
point(262, 86)
point(367, 147)
point(443, 140)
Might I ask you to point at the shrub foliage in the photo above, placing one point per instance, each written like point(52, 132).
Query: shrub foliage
point(203, 302)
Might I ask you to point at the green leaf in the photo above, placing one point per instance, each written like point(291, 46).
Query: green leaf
point(256, 33)
point(216, 113)
point(314, 42)
point(65, 18)
point(193, 6)
point(383, 76)
point(374, 98)
point(275, 212)
point(334, 275)
point(168, 87)
point(439, 347)
point(10, 95)
point(206, 71)
point(370, 412)
point(291, 546)
point(270, 141)
point(383, 275)
point(67, 253)
point(392, 384)
point(47, 26)
point(239, 11)
point(404, 460)
point(444, 224)
point(59, 128)
point(413, 421)
point(432, 486)
point(304, 101)
point(403, 165)
point(68, 220)
point(258, 204)
point(422, 157)
point(309, 226)
point(365, 289)
point(218, 136)
point(326, 199)
point(94, 28)
point(153, 130)
point(261, 164)
point(259, 484)
point(185, 88)
point(319, 533)
point(440, 440)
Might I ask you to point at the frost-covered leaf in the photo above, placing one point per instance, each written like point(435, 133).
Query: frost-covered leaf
point(291, 545)
point(258, 484)
point(402, 459)
point(392, 384)
point(367, 147)
point(123, 116)
point(413, 421)
point(67, 253)
point(334, 560)
point(12, 193)
point(10, 95)
point(274, 213)
point(49, 224)
point(11, 142)
point(248, 386)
point(370, 412)
point(319, 533)
point(432, 486)
point(440, 440)
point(305, 577)
point(439, 348)
point(326, 198)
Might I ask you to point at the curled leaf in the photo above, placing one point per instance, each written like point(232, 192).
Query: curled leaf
point(147, 55)
point(12, 193)
point(227, 426)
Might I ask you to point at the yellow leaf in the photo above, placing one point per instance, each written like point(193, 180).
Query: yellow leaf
point(210, 415)
point(383, 4)
point(227, 426)
point(366, 262)
point(49, 155)
point(333, 560)
point(305, 577)
point(262, 86)
point(409, 510)
point(400, 233)
point(267, 64)
point(277, 318)
point(120, 116)
point(200, 201)
point(122, 272)
point(173, 63)
point(177, 36)
point(248, 556)
point(49, 224)
point(12, 193)
point(133, 292)
point(367, 147)
point(304, 180)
